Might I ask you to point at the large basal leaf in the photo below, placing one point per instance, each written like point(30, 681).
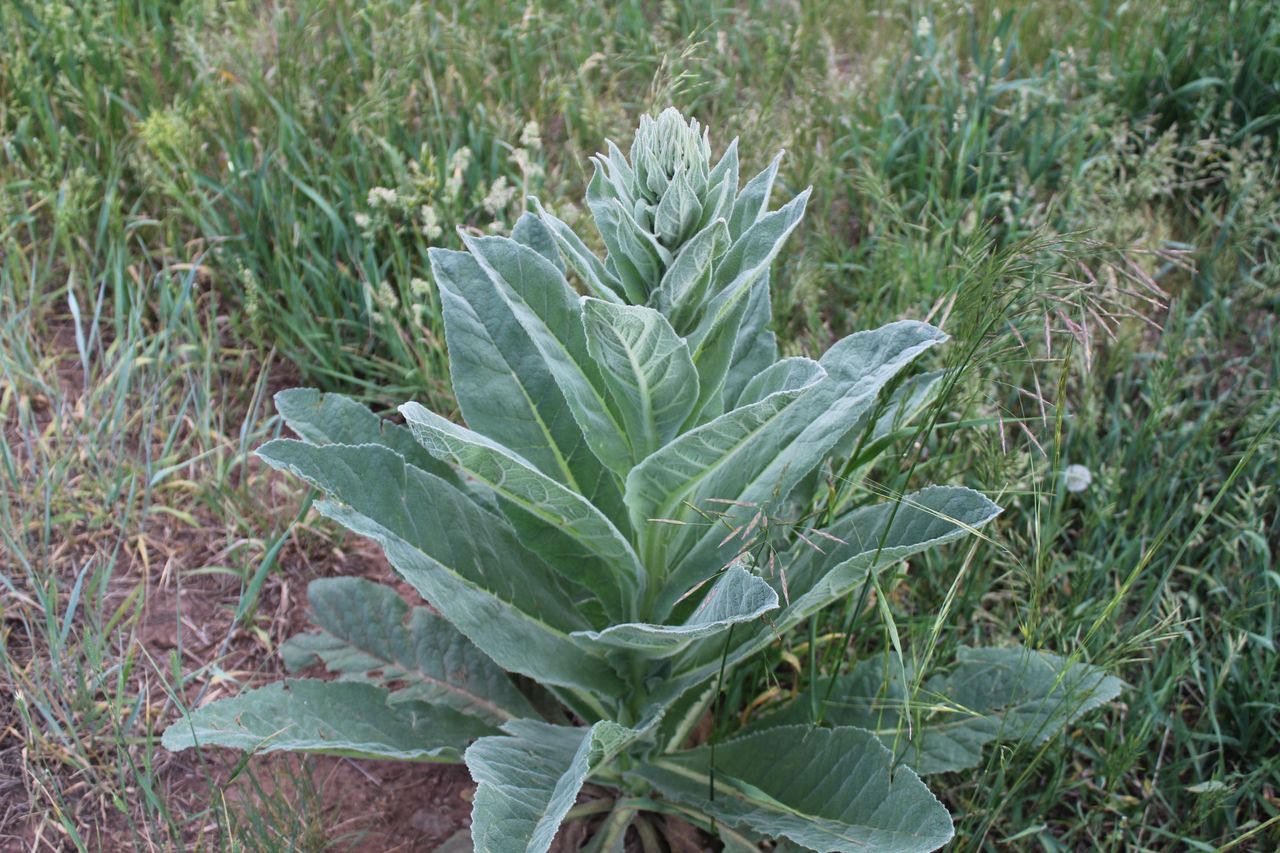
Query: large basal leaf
point(457, 555)
point(551, 315)
point(370, 633)
point(611, 569)
point(826, 789)
point(331, 717)
point(527, 780)
point(1004, 694)
point(647, 369)
point(659, 489)
point(991, 694)
point(503, 386)
point(736, 596)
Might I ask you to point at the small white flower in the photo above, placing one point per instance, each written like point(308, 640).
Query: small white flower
point(531, 136)
point(500, 194)
point(923, 28)
point(458, 162)
point(1077, 478)
point(363, 221)
point(382, 296)
point(382, 197)
point(419, 287)
point(431, 223)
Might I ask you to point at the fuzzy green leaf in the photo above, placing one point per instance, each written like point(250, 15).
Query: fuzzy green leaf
point(527, 780)
point(826, 789)
point(991, 694)
point(736, 596)
point(763, 473)
point(457, 555)
point(745, 262)
point(321, 418)
point(503, 385)
point(601, 283)
point(367, 636)
point(533, 232)
point(612, 569)
point(331, 717)
point(658, 489)
point(876, 537)
point(647, 369)
point(753, 201)
point(551, 315)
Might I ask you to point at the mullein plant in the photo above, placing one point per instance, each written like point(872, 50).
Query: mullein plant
point(601, 541)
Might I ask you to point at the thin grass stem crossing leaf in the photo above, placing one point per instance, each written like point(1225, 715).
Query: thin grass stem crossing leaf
point(1008, 695)
point(784, 782)
point(764, 472)
point(666, 486)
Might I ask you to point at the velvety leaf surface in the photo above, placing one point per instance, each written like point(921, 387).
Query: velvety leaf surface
point(457, 555)
point(321, 418)
point(601, 283)
point(737, 596)
point(647, 369)
point(990, 694)
point(826, 789)
point(332, 717)
point(528, 779)
point(550, 314)
point(370, 633)
point(662, 486)
point(876, 537)
point(764, 472)
point(612, 569)
point(503, 384)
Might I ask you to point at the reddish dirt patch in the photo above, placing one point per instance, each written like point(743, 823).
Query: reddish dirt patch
point(356, 804)
point(394, 806)
point(173, 611)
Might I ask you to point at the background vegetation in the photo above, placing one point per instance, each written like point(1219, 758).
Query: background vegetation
point(203, 202)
